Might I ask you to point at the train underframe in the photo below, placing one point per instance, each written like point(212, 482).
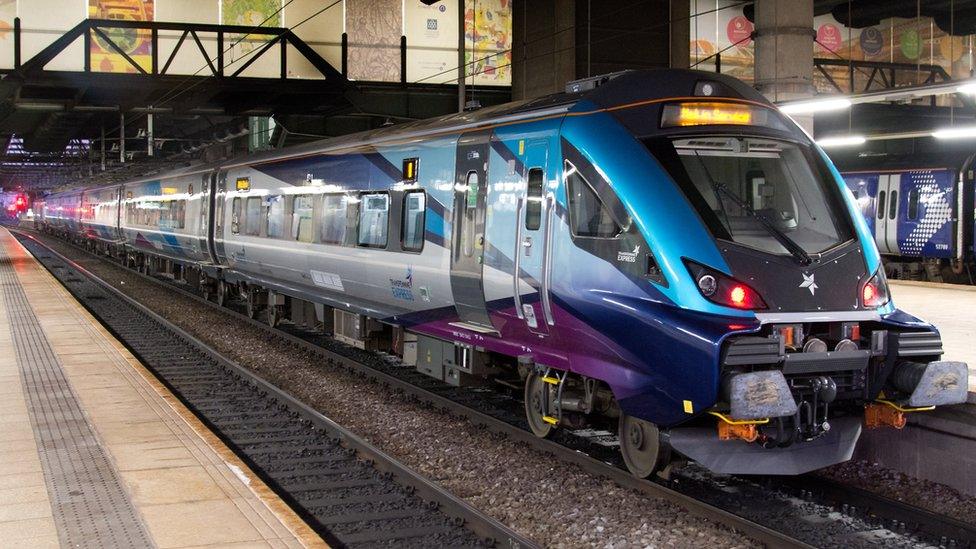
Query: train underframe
point(793, 397)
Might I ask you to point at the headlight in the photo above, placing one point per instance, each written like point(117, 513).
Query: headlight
point(874, 293)
point(724, 290)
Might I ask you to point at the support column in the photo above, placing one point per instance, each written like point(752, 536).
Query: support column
point(784, 51)
point(680, 40)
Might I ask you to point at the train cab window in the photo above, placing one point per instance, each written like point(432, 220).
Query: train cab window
point(302, 228)
point(413, 219)
point(334, 219)
point(235, 216)
point(533, 200)
point(374, 214)
point(276, 216)
point(589, 217)
point(252, 216)
point(913, 204)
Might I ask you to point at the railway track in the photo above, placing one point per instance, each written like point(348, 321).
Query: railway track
point(874, 520)
point(352, 493)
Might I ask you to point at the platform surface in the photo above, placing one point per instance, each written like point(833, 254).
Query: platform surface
point(951, 308)
point(96, 452)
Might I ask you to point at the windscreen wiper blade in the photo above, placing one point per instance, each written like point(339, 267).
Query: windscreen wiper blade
point(799, 254)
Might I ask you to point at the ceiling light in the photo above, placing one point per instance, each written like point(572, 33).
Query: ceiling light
point(961, 132)
point(967, 88)
point(818, 105)
point(841, 141)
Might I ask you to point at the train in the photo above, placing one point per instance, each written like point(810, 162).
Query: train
point(658, 254)
point(920, 209)
point(13, 204)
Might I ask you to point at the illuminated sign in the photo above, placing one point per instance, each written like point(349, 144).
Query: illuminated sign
point(707, 114)
point(243, 183)
point(409, 169)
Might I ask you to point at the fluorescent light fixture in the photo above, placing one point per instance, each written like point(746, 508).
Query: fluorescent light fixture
point(967, 88)
point(841, 141)
point(817, 105)
point(961, 132)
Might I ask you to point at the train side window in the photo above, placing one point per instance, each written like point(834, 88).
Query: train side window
point(252, 216)
point(235, 216)
point(374, 214)
point(533, 203)
point(302, 228)
point(913, 203)
point(276, 216)
point(414, 214)
point(881, 205)
point(589, 216)
point(334, 219)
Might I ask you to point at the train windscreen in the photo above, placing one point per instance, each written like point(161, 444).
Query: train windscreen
point(763, 193)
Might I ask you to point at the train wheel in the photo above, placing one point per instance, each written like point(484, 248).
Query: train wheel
point(535, 394)
point(221, 293)
point(641, 446)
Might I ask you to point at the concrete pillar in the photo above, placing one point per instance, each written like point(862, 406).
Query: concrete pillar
point(784, 51)
point(680, 41)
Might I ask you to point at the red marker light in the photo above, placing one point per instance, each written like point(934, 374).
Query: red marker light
point(869, 293)
point(738, 295)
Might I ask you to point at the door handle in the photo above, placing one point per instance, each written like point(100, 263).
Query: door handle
point(517, 267)
point(527, 244)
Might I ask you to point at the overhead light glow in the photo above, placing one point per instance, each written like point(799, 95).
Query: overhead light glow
point(967, 88)
point(842, 141)
point(961, 132)
point(817, 105)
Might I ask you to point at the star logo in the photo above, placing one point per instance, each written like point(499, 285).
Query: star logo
point(809, 284)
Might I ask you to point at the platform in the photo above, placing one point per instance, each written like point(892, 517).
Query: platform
point(96, 452)
point(951, 308)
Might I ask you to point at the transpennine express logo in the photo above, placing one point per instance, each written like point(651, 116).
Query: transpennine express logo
point(402, 288)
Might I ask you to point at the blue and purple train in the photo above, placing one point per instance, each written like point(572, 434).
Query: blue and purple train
point(658, 253)
point(920, 209)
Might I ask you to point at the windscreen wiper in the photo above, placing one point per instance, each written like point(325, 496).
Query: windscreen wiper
point(799, 254)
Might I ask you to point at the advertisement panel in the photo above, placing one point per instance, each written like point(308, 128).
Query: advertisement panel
point(136, 43)
point(8, 11)
point(432, 39)
point(488, 42)
point(252, 13)
point(374, 28)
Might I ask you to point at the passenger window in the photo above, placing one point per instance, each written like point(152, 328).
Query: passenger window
point(252, 216)
point(302, 228)
point(235, 216)
point(276, 216)
point(589, 217)
point(533, 201)
point(913, 203)
point(414, 214)
point(374, 213)
point(334, 219)
point(881, 205)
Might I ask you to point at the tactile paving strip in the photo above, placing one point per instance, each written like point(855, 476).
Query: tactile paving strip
point(91, 509)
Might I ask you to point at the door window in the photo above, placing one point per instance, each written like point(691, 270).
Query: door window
point(533, 200)
point(913, 204)
point(414, 212)
point(470, 211)
point(881, 205)
point(235, 216)
point(893, 204)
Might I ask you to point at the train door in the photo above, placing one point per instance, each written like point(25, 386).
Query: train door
point(531, 230)
point(468, 236)
point(216, 226)
point(886, 215)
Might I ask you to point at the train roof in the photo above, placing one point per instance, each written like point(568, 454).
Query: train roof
point(602, 92)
